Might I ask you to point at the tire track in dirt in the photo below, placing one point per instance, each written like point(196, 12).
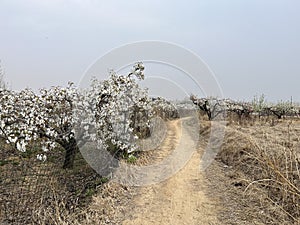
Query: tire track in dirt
point(179, 200)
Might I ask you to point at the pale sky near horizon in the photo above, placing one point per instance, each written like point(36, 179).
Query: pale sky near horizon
point(252, 47)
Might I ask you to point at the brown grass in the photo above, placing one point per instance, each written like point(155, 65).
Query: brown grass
point(265, 159)
point(32, 192)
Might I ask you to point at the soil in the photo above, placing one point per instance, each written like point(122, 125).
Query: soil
point(181, 199)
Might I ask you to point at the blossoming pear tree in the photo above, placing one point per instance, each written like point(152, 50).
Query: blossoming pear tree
point(18, 117)
point(118, 107)
point(109, 112)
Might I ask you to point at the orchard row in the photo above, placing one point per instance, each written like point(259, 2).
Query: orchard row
point(113, 113)
point(214, 107)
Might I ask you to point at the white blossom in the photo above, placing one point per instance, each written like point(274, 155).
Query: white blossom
point(106, 111)
point(41, 157)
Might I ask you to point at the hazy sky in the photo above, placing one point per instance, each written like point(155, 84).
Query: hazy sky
point(253, 47)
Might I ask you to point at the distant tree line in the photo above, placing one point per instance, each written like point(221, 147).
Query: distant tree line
point(213, 107)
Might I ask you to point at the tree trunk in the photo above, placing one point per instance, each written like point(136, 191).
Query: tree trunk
point(71, 148)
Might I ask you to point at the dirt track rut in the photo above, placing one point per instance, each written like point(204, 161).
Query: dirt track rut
point(179, 200)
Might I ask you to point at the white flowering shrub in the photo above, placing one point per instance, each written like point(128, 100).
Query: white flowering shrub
point(45, 117)
point(122, 109)
point(109, 112)
point(56, 122)
point(260, 106)
point(18, 117)
point(163, 108)
point(240, 108)
point(282, 109)
point(213, 107)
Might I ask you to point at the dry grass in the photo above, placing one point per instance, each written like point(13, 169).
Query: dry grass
point(264, 157)
point(32, 192)
point(104, 208)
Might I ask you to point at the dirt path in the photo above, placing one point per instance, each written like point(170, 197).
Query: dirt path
point(179, 200)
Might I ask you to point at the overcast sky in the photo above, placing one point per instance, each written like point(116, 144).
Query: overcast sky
point(253, 47)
